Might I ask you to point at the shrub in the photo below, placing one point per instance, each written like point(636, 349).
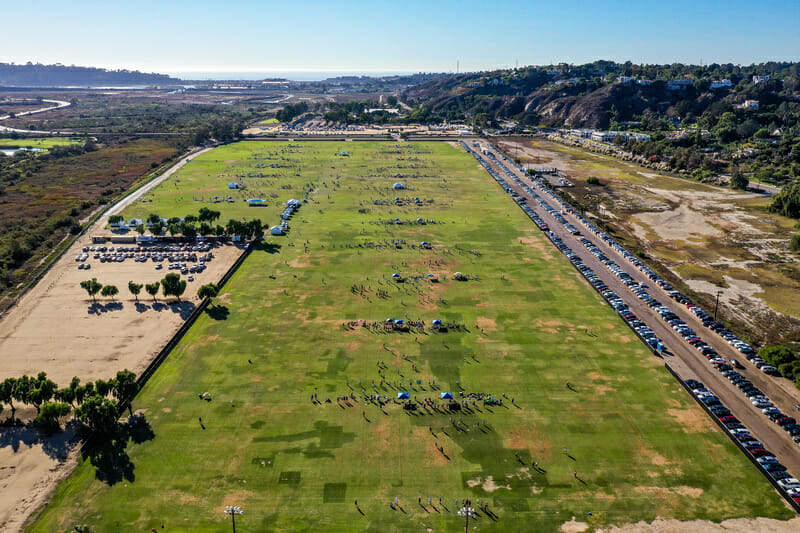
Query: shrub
point(794, 243)
point(777, 355)
point(593, 180)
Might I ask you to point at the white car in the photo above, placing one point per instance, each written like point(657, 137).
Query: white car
point(789, 483)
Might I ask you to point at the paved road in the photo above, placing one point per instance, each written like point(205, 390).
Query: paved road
point(58, 105)
point(686, 361)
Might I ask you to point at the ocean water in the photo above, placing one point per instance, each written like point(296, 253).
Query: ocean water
point(297, 75)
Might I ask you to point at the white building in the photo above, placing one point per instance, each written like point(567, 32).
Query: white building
point(759, 79)
point(720, 84)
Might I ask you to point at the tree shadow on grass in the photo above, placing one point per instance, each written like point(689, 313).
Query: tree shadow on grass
point(107, 453)
point(218, 312)
point(269, 247)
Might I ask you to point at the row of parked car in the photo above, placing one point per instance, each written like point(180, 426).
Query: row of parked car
point(707, 319)
point(752, 446)
point(728, 368)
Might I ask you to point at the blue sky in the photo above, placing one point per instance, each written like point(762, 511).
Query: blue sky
point(378, 35)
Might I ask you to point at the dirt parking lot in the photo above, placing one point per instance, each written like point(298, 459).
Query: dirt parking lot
point(58, 329)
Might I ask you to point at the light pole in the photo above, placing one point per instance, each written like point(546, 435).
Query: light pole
point(716, 305)
point(233, 510)
point(467, 512)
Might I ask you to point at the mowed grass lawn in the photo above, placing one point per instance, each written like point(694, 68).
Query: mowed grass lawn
point(640, 446)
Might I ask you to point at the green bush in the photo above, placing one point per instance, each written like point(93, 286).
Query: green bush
point(794, 243)
point(593, 180)
point(783, 358)
point(787, 202)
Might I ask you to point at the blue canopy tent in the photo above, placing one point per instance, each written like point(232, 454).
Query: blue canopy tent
point(395, 275)
point(399, 322)
point(446, 396)
point(403, 396)
point(437, 322)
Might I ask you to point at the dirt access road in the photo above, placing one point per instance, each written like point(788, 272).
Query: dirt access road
point(686, 361)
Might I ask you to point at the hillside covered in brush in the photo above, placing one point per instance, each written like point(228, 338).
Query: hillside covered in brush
point(605, 95)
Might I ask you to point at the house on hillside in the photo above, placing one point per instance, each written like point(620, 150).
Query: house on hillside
point(720, 84)
point(760, 79)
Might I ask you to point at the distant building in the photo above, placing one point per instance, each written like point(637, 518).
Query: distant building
point(759, 79)
point(624, 79)
point(603, 136)
point(644, 82)
point(750, 104)
point(679, 84)
point(720, 84)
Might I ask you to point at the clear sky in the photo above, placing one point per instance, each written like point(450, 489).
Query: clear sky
point(389, 36)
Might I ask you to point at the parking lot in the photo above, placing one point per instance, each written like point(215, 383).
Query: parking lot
point(190, 260)
point(760, 405)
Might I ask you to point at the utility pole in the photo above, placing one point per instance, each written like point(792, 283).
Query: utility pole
point(716, 305)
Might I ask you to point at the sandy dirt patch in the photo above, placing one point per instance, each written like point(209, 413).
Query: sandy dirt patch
point(573, 526)
point(30, 466)
point(750, 525)
point(692, 420)
point(488, 485)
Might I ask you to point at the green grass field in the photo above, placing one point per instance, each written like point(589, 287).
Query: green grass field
point(639, 445)
point(43, 143)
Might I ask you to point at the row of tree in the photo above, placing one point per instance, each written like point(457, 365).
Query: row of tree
point(191, 225)
point(171, 285)
point(94, 403)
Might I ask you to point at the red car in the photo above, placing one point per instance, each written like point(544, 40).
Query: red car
point(729, 418)
point(759, 452)
point(786, 420)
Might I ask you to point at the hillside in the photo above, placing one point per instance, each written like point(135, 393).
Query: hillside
point(37, 75)
point(604, 94)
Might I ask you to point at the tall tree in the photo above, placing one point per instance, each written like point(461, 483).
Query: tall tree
point(125, 387)
point(173, 285)
point(152, 289)
point(738, 180)
point(110, 290)
point(7, 394)
point(92, 286)
point(99, 415)
point(135, 289)
point(208, 290)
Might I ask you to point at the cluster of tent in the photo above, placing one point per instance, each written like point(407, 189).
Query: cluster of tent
point(291, 206)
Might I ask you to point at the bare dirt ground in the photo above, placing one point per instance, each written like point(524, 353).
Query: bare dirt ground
point(712, 238)
point(750, 525)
